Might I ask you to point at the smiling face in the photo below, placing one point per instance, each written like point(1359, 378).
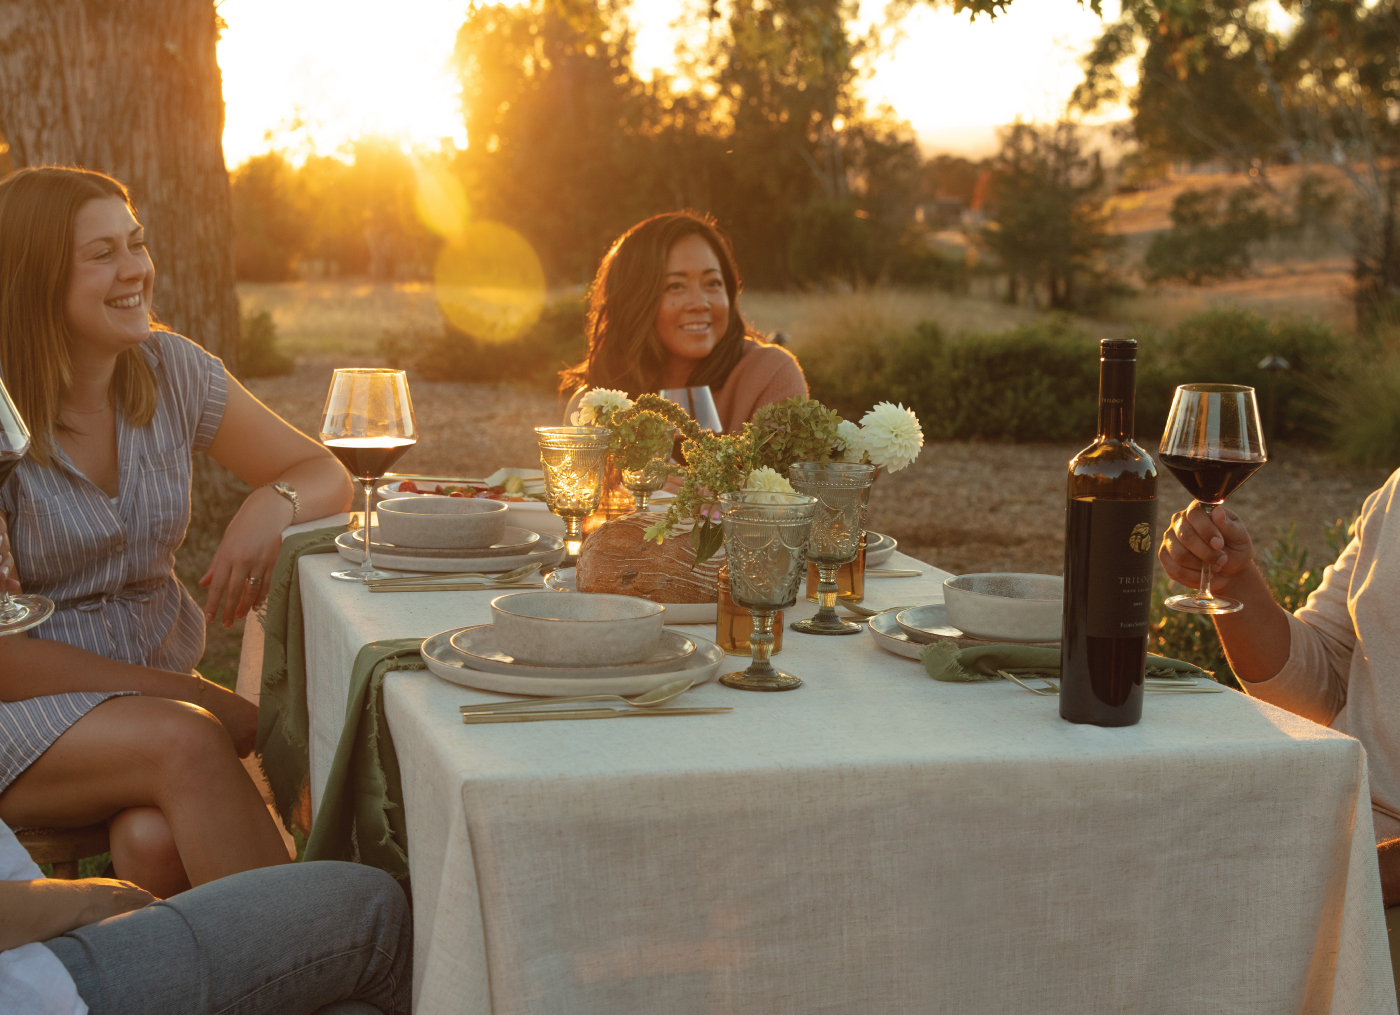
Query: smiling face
point(694, 311)
point(108, 307)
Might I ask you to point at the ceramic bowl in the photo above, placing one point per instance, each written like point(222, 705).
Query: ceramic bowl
point(440, 523)
point(1005, 607)
point(547, 629)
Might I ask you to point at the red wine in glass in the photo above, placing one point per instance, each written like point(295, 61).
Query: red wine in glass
point(368, 424)
point(17, 613)
point(1212, 444)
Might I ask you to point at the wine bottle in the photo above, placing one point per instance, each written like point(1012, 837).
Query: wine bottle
point(1110, 548)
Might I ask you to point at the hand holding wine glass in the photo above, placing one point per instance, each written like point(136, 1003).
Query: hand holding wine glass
point(368, 424)
point(1212, 444)
point(17, 612)
point(1205, 533)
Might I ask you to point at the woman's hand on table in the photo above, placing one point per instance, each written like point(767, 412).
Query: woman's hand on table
point(248, 550)
point(1196, 535)
point(238, 715)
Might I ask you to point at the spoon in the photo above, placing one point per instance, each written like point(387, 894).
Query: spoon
point(861, 611)
point(656, 696)
point(509, 576)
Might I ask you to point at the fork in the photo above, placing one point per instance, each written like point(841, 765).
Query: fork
point(865, 613)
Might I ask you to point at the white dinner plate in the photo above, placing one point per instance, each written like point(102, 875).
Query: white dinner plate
point(446, 662)
point(515, 541)
point(887, 633)
point(878, 548)
point(562, 580)
point(549, 550)
point(478, 649)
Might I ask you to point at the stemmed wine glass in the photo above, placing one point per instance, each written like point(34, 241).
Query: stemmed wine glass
point(368, 424)
point(1212, 444)
point(17, 613)
point(699, 405)
point(842, 492)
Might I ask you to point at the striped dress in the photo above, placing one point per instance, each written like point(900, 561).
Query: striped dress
point(108, 564)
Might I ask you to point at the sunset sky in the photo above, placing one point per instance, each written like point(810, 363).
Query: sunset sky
point(370, 67)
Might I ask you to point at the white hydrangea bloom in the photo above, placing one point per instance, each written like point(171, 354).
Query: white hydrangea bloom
point(768, 480)
point(850, 442)
point(598, 406)
point(891, 435)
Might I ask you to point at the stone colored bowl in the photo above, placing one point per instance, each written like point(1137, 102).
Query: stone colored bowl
point(441, 523)
point(1006, 607)
point(549, 629)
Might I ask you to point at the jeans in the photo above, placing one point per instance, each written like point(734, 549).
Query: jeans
point(326, 938)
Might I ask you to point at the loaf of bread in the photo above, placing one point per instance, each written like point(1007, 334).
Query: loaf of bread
point(616, 559)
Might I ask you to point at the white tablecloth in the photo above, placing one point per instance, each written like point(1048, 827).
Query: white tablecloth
point(874, 842)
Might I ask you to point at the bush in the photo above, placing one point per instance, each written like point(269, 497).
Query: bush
point(1192, 637)
point(258, 355)
point(1226, 347)
point(1365, 413)
point(535, 358)
point(1210, 236)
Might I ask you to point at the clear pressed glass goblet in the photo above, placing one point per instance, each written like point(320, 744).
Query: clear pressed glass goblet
point(842, 492)
point(17, 613)
point(642, 483)
point(765, 542)
point(574, 459)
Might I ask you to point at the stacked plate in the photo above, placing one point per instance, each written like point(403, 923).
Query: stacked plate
point(470, 656)
point(907, 632)
point(518, 546)
point(564, 580)
point(878, 548)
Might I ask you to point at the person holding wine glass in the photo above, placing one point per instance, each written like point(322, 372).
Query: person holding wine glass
point(1336, 660)
point(663, 314)
point(102, 713)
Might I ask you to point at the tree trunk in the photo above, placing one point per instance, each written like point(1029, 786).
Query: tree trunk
point(133, 89)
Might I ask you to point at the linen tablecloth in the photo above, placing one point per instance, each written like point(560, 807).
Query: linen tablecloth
point(875, 842)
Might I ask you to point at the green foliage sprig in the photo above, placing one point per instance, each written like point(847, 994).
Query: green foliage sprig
point(642, 433)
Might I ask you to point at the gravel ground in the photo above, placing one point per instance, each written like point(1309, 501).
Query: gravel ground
point(963, 507)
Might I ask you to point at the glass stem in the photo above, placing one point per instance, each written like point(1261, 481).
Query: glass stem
point(368, 484)
point(827, 590)
point(1204, 591)
point(641, 497)
point(8, 610)
point(761, 643)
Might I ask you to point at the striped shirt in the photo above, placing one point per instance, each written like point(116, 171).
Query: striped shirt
point(109, 567)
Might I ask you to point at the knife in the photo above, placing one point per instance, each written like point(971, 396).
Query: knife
point(582, 713)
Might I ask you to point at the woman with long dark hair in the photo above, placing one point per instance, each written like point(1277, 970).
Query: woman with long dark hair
point(663, 313)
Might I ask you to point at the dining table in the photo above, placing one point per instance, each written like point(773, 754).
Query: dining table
point(873, 842)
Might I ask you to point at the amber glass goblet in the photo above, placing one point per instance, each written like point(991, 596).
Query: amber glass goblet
point(574, 459)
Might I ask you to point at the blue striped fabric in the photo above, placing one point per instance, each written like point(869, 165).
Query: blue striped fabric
point(109, 567)
point(28, 728)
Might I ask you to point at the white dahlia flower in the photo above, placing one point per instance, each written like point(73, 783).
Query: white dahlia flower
point(597, 407)
point(850, 442)
point(767, 480)
point(892, 436)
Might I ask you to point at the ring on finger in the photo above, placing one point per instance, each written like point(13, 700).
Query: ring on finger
point(252, 581)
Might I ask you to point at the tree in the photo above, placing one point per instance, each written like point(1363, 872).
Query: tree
point(134, 90)
point(1048, 224)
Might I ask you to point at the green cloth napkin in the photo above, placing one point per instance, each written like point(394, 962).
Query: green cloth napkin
point(945, 661)
point(283, 724)
point(361, 816)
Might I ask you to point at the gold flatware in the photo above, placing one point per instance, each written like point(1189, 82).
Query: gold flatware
point(585, 713)
point(891, 572)
point(514, 574)
point(656, 696)
point(454, 587)
point(1152, 685)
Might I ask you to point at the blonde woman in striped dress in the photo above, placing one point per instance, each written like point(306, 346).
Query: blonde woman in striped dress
point(102, 716)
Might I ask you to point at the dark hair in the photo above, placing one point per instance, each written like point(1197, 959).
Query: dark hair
point(38, 207)
point(624, 350)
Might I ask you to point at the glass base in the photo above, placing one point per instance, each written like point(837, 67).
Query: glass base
point(24, 612)
point(1208, 605)
point(359, 574)
point(820, 625)
point(773, 681)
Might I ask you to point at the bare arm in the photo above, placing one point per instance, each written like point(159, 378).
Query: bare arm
point(33, 911)
point(260, 447)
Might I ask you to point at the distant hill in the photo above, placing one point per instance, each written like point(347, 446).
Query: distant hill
point(979, 142)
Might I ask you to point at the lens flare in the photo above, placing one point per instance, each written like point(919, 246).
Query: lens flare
point(490, 283)
point(440, 200)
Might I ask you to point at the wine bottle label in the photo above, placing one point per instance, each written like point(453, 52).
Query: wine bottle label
point(1122, 541)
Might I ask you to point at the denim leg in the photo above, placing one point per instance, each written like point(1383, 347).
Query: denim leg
point(287, 940)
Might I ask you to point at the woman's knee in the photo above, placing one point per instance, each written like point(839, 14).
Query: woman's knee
point(181, 740)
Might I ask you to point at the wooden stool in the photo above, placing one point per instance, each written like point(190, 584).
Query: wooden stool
point(64, 847)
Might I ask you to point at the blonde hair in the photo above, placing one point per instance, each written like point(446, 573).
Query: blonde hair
point(38, 208)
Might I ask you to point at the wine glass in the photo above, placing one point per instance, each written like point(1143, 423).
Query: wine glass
point(842, 492)
point(575, 459)
point(368, 424)
point(699, 405)
point(17, 613)
point(765, 541)
point(1212, 444)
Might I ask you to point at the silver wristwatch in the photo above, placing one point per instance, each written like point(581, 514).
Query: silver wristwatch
point(288, 491)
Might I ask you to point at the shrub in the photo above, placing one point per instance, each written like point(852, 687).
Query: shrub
point(1210, 236)
point(1226, 347)
point(258, 355)
point(1365, 413)
point(535, 358)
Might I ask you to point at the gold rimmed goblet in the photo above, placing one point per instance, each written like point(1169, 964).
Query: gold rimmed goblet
point(574, 459)
point(765, 541)
point(842, 492)
point(642, 483)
